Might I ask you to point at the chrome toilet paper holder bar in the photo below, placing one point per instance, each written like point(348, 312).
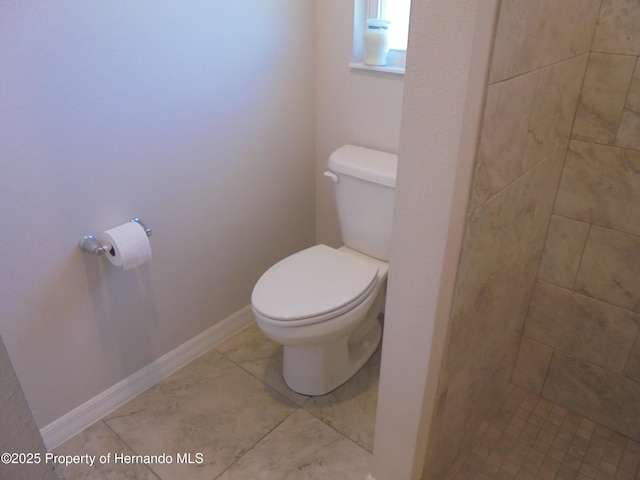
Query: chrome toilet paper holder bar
point(90, 243)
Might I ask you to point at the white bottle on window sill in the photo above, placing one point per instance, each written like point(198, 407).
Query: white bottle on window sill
point(376, 42)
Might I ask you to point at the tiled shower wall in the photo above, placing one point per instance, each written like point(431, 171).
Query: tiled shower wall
point(540, 56)
point(581, 343)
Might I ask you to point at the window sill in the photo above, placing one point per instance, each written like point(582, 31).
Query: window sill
point(371, 68)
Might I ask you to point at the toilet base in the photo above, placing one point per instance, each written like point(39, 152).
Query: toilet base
point(317, 370)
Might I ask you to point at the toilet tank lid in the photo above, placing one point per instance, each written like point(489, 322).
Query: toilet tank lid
point(366, 164)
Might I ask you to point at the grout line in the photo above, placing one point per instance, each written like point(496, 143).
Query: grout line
point(584, 247)
point(123, 442)
point(255, 444)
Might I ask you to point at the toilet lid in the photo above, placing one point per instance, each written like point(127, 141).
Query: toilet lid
point(312, 282)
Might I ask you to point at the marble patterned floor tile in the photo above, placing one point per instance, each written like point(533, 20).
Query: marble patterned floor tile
point(261, 357)
point(351, 408)
point(301, 448)
point(96, 441)
point(210, 407)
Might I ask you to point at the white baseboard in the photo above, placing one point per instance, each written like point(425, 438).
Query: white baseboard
point(65, 427)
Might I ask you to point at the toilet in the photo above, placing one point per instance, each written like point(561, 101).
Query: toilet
point(323, 304)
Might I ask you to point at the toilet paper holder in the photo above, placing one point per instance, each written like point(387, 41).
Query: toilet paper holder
point(90, 243)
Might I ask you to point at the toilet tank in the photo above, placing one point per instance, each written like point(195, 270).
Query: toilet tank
point(364, 186)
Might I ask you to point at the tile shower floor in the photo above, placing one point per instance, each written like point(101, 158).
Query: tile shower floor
point(230, 414)
point(529, 438)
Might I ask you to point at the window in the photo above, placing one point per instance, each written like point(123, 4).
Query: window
point(396, 12)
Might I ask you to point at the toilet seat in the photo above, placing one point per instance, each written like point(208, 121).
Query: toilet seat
point(313, 285)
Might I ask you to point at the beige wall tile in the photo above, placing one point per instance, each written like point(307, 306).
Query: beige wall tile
point(600, 185)
point(603, 97)
point(503, 136)
point(504, 131)
point(532, 35)
point(609, 72)
point(502, 247)
point(632, 369)
point(545, 181)
point(618, 27)
point(629, 130)
point(609, 268)
point(492, 318)
point(518, 34)
point(554, 108)
point(512, 222)
point(603, 396)
point(531, 366)
point(563, 250)
point(588, 328)
point(598, 116)
point(633, 100)
point(581, 17)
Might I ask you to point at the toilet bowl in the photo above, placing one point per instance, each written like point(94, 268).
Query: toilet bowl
point(322, 304)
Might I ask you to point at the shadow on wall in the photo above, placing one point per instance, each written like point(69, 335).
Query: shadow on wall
point(122, 301)
point(158, 109)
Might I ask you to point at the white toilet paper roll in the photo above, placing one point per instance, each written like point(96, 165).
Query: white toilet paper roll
point(130, 245)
